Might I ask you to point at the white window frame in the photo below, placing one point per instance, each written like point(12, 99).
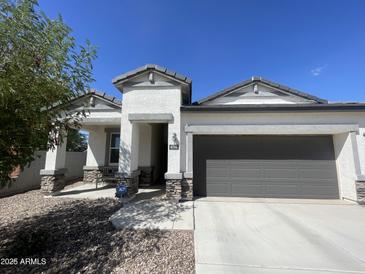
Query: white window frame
point(110, 148)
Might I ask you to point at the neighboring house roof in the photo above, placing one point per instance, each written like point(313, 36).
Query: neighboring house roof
point(151, 67)
point(263, 81)
point(278, 107)
point(101, 95)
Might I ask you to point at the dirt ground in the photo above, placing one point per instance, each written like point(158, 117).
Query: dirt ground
point(69, 236)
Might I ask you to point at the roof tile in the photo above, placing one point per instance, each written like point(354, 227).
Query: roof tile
point(125, 76)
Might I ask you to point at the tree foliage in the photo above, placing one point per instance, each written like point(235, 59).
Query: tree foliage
point(40, 66)
point(76, 141)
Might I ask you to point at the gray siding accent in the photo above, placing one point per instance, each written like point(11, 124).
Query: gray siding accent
point(265, 166)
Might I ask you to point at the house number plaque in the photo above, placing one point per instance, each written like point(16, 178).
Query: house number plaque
point(174, 147)
point(175, 143)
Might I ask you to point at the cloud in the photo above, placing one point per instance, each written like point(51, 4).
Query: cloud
point(318, 70)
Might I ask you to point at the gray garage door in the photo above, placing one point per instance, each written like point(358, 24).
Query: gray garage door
point(265, 166)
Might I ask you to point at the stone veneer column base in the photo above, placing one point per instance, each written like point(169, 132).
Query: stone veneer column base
point(146, 176)
point(173, 189)
point(187, 189)
point(52, 183)
point(92, 175)
point(132, 181)
point(360, 188)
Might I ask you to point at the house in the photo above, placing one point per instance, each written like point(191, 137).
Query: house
point(254, 139)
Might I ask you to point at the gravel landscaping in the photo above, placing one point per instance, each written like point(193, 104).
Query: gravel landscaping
point(75, 236)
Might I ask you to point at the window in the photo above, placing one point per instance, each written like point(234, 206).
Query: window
point(114, 148)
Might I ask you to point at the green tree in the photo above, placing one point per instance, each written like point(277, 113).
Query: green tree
point(40, 66)
point(76, 141)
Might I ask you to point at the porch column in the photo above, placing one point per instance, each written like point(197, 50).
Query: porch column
point(352, 182)
point(177, 186)
point(128, 153)
point(173, 155)
point(53, 174)
point(95, 158)
point(360, 176)
point(187, 182)
point(189, 155)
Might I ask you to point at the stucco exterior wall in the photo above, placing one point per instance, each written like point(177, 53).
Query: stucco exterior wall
point(74, 164)
point(346, 170)
point(56, 157)
point(145, 145)
point(96, 147)
point(134, 153)
point(360, 138)
point(112, 113)
point(153, 100)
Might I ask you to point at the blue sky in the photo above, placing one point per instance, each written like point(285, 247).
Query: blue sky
point(314, 46)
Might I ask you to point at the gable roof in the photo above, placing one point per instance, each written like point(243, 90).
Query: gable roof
point(151, 67)
point(265, 82)
point(101, 95)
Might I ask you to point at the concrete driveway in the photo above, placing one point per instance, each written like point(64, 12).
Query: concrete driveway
point(278, 236)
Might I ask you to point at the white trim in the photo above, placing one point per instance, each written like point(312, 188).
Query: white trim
point(274, 129)
point(151, 117)
point(101, 121)
point(173, 176)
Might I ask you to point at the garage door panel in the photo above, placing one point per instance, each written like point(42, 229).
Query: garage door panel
point(247, 173)
point(218, 180)
point(279, 181)
point(280, 173)
point(217, 171)
point(322, 191)
point(276, 164)
point(215, 163)
point(242, 164)
point(318, 174)
point(246, 181)
point(280, 190)
point(252, 190)
point(265, 166)
point(320, 164)
point(219, 189)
